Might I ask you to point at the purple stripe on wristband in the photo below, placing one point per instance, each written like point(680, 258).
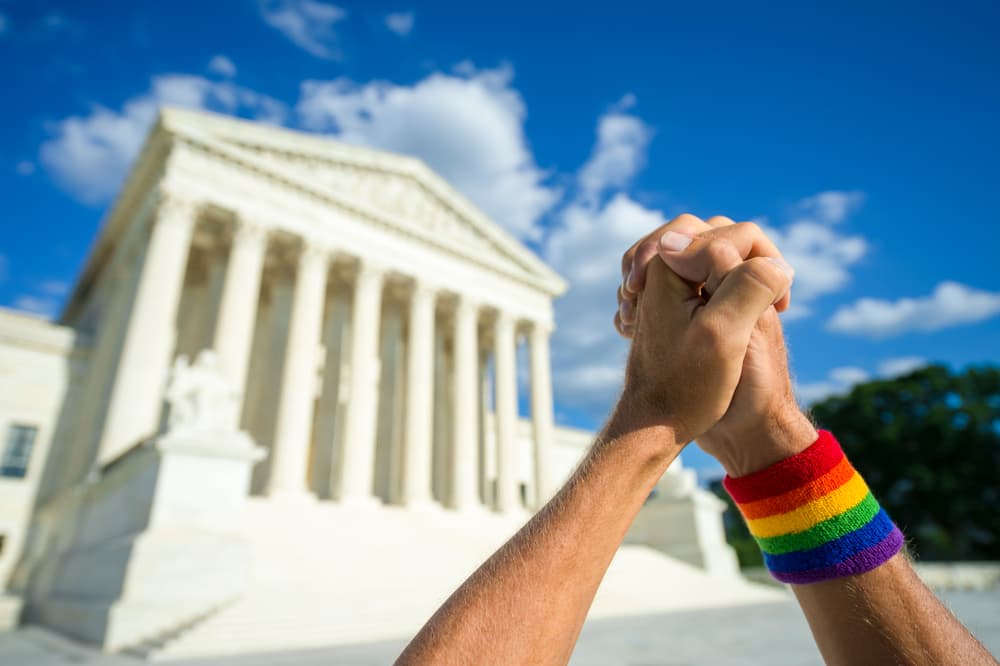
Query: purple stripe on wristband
point(860, 562)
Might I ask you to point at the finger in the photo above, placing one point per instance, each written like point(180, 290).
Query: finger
point(667, 302)
point(624, 330)
point(746, 292)
point(626, 306)
point(627, 310)
point(620, 327)
point(647, 248)
point(709, 261)
point(717, 221)
point(687, 259)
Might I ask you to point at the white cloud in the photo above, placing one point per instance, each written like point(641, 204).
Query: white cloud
point(620, 152)
point(897, 367)
point(45, 298)
point(222, 66)
point(307, 23)
point(44, 307)
point(53, 288)
point(831, 207)
point(813, 392)
point(400, 23)
point(89, 155)
point(25, 167)
point(950, 304)
point(469, 129)
point(849, 375)
point(840, 381)
point(822, 258)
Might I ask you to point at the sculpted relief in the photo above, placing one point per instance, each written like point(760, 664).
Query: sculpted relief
point(199, 397)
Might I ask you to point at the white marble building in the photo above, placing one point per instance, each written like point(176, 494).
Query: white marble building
point(283, 356)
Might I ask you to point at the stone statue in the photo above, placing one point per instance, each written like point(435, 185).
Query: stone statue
point(199, 396)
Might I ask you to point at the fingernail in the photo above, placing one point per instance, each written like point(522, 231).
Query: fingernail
point(674, 242)
point(783, 265)
point(628, 280)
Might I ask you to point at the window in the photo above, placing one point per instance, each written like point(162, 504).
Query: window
point(17, 453)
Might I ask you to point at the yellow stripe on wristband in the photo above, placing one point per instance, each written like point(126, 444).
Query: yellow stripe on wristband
point(832, 504)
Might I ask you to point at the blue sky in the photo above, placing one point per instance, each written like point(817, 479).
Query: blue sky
point(863, 135)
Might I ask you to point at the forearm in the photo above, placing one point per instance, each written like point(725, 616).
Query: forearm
point(886, 616)
point(528, 602)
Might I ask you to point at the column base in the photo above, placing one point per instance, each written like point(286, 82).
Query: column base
point(427, 505)
point(360, 502)
point(292, 497)
point(471, 509)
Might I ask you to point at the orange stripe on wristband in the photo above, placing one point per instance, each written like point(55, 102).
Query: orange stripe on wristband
point(832, 504)
point(793, 499)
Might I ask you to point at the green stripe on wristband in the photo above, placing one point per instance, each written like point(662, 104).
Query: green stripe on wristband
point(821, 533)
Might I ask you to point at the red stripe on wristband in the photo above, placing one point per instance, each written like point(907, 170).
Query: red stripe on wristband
point(822, 455)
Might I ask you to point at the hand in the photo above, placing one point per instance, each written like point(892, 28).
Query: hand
point(763, 423)
point(688, 346)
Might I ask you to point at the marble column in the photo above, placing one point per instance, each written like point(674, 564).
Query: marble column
point(506, 413)
point(299, 381)
point(358, 458)
point(418, 427)
point(542, 412)
point(137, 390)
point(465, 422)
point(234, 326)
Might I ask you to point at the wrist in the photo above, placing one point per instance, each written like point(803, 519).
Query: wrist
point(658, 435)
point(779, 435)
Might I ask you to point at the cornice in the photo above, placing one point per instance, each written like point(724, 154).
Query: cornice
point(292, 179)
point(218, 131)
point(28, 331)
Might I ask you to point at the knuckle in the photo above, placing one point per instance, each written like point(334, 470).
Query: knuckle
point(627, 261)
point(751, 228)
point(710, 332)
point(721, 251)
point(686, 218)
point(719, 221)
point(764, 273)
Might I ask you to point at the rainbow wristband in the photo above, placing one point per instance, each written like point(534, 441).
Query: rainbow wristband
point(814, 517)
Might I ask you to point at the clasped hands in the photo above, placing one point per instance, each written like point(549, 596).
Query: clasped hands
point(700, 302)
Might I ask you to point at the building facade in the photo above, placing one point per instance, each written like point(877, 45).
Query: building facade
point(272, 315)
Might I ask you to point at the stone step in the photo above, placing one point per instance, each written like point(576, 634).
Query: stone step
point(412, 562)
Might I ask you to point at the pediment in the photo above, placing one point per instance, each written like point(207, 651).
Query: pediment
point(400, 189)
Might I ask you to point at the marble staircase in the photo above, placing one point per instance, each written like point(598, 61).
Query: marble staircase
point(325, 574)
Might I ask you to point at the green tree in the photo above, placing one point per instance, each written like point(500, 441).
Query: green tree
point(928, 444)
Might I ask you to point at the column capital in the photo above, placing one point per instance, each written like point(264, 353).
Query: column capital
point(541, 329)
point(174, 208)
point(505, 319)
point(465, 303)
point(370, 272)
point(248, 230)
point(314, 252)
point(422, 289)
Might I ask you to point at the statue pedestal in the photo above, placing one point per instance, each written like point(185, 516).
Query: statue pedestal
point(156, 541)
